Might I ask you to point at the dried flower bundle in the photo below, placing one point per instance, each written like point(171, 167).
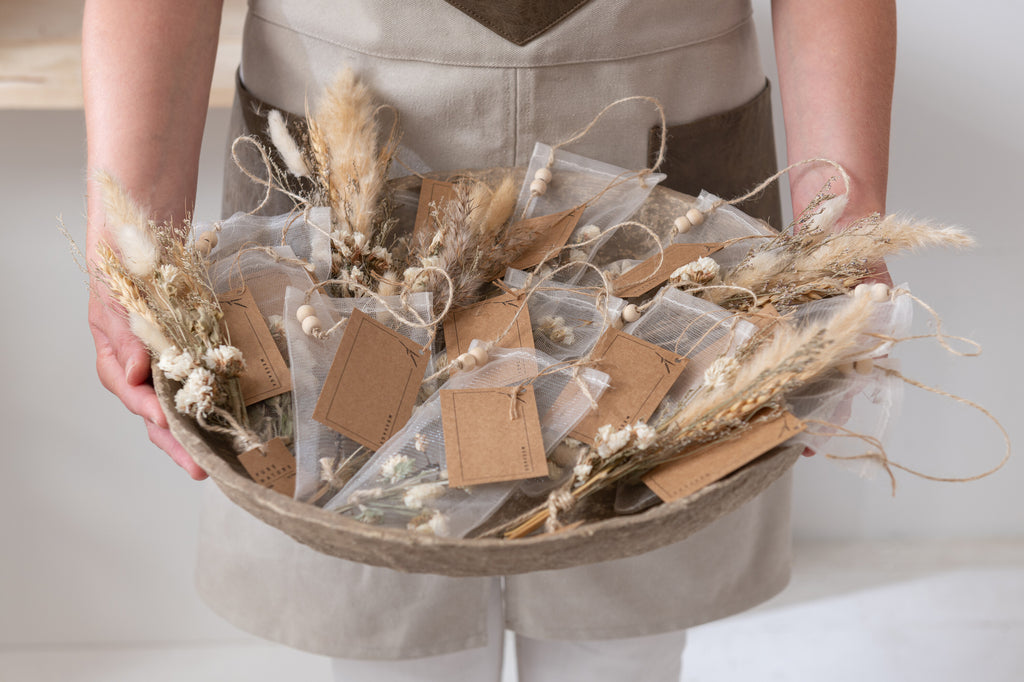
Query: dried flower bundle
point(161, 284)
point(814, 260)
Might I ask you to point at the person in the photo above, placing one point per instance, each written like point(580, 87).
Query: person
point(472, 97)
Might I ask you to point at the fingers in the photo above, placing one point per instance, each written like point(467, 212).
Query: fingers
point(139, 399)
point(163, 439)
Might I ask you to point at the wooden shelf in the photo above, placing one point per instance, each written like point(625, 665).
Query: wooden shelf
point(41, 54)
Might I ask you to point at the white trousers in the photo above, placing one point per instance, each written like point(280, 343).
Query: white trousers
point(655, 658)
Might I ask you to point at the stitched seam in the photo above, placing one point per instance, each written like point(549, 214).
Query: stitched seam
point(732, 29)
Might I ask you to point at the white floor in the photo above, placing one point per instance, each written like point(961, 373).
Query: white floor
point(935, 612)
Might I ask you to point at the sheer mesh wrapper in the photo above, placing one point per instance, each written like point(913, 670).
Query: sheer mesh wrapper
point(576, 179)
point(578, 311)
point(720, 225)
point(318, 448)
point(266, 276)
point(699, 330)
point(561, 403)
point(890, 319)
point(306, 234)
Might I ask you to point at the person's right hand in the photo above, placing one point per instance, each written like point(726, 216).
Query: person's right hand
point(122, 363)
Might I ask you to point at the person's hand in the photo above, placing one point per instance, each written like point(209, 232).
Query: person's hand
point(122, 363)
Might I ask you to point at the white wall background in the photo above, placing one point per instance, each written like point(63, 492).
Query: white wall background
point(97, 528)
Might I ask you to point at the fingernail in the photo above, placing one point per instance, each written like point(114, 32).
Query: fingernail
point(131, 364)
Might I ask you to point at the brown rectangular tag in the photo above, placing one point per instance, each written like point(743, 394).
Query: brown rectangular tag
point(690, 473)
point(489, 436)
point(436, 192)
point(272, 467)
point(763, 317)
point(485, 321)
point(266, 373)
point(371, 387)
point(647, 275)
point(640, 374)
point(553, 231)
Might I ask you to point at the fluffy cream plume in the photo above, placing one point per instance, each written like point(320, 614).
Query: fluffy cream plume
point(130, 226)
point(286, 146)
point(147, 331)
point(356, 170)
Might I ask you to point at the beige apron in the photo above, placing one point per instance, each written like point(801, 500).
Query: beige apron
point(470, 98)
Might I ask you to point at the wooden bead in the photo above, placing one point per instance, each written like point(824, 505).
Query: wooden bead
point(304, 311)
point(465, 362)
point(543, 174)
point(879, 292)
point(862, 290)
point(845, 367)
point(695, 217)
point(682, 225)
point(630, 313)
point(311, 326)
point(479, 354)
point(538, 187)
point(864, 366)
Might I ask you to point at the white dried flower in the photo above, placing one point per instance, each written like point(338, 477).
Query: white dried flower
point(380, 253)
point(420, 443)
point(581, 472)
point(227, 361)
point(609, 441)
point(176, 364)
point(645, 435)
point(435, 243)
point(438, 525)
point(395, 468)
point(199, 394)
point(720, 372)
point(424, 492)
point(556, 330)
point(286, 145)
point(431, 261)
point(360, 496)
point(578, 256)
point(590, 232)
point(700, 271)
point(276, 324)
point(359, 240)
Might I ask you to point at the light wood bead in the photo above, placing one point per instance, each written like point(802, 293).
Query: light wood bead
point(695, 217)
point(862, 290)
point(845, 367)
point(479, 354)
point(879, 292)
point(630, 313)
point(465, 362)
point(543, 174)
point(209, 236)
point(312, 326)
point(304, 311)
point(538, 187)
point(682, 225)
point(203, 248)
point(864, 366)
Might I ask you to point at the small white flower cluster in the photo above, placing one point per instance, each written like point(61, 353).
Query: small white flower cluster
point(224, 360)
point(199, 394)
point(437, 525)
point(701, 271)
point(720, 372)
point(581, 472)
point(396, 467)
point(417, 495)
point(589, 232)
point(556, 330)
point(609, 441)
point(176, 364)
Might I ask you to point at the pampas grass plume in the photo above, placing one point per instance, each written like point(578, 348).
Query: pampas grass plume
point(130, 227)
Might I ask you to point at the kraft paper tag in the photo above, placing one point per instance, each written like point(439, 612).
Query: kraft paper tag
point(690, 473)
point(764, 317)
point(640, 374)
point(436, 192)
point(647, 275)
point(485, 321)
point(266, 373)
point(272, 467)
point(553, 231)
point(488, 438)
point(371, 387)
